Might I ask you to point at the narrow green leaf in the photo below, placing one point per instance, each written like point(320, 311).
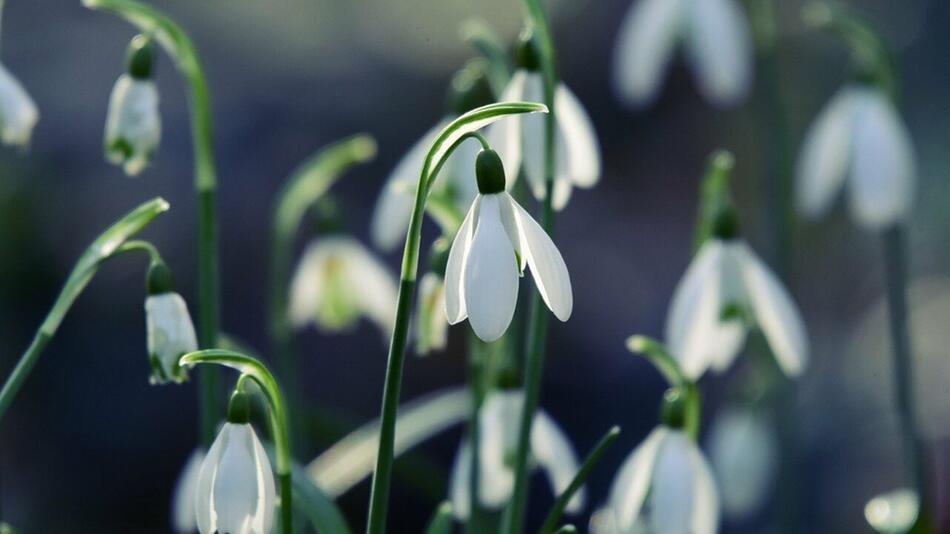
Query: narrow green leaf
point(567, 529)
point(441, 522)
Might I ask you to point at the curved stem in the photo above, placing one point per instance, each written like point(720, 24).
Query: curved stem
point(139, 245)
point(179, 46)
point(445, 143)
point(104, 247)
point(538, 319)
point(280, 431)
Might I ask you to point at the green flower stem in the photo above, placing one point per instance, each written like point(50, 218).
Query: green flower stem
point(656, 353)
point(538, 318)
point(277, 415)
point(450, 137)
point(306, 186)
point(895, 265)
point(179, 46)
point(550, 524)
point(108, 244)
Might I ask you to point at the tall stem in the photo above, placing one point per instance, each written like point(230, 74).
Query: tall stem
point(895, 265)
point(538, 316)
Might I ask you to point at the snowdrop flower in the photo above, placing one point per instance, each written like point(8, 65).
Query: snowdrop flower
point(493, 245)
point(521, 138)
point(725, 290)
point(133, 125)
point(169, 331)
point(858, 138)
point(338, 281)
point(432, 327)
point(498, 422)
point(743, 452)
point(717, 42)
point(235, 492)
point(893, 512)
point(469, 89)
point(183, 500)
point(664, 487)
point(18, 114)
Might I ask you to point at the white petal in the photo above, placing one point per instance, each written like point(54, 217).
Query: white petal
point(644, 49)
point(883, 171)
point(18, 114)
point(719, 46)
point(170, 334)
point(693, 321)
point(431, 324)
point(505, 136)
point(370, 283)
point(205, 512)
point(553, 452)
point(460, 481)
point(776, 314)
point(394, 205)
point(742, 449)
point(499, 419)
point(727, 341)
point(582, 151)
point(705, 512)
point(490, 274)
point(825, 154)
point(672, 496)
point(630, 487)
point(307, 286)
point(455, 308)
point(532, 136)
point(183, 500)
point(547, 266)
point(267, 494)
point(235, 490)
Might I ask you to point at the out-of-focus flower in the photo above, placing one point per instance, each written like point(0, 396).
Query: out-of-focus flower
point(743, 452)
point(169, 330)
point(133, 125)
point(521, 138)
point(235, 492)
point(469, 89)
point(432, 327)
point(894, 512)
point(498, 423)
point(493, 245)
point(858, 138)
point(18, 114)
point(717, 42)
point(337, 281)
point(183, 500)
point(727, 289)
point(664, 487)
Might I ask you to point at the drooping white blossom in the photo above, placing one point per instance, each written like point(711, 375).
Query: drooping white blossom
point(18, 114)
point(133, 125)
point(716, 41)
point(183, 518)
point(858, 140)
point(726, 290)
point(170, 334)
point(499, 420)
point(665, 486)
point(338, 281)
point(744, 455)
point(235, 492)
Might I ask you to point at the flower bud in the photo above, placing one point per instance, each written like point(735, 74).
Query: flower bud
point(527, 56)
point(170, 334)
point(140, 57)
point(673, 409)
point(489, 172)
point(133, 125)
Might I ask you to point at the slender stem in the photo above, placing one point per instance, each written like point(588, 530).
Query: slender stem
point(895, 264)
point(104, 247)
point(277, 415)
point(513, 520)
point(449, 139)
point(593, 458)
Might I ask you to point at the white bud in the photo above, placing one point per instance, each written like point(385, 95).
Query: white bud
point(133, 125)
point(171, 334)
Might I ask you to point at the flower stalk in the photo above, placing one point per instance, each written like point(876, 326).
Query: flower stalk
point(277, 417)
point(450, 137)
point(179, 46)
point(110, 243)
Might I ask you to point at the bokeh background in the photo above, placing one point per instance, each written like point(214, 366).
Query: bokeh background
point(89, 446)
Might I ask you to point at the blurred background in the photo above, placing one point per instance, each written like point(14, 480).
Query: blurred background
point(89, 446)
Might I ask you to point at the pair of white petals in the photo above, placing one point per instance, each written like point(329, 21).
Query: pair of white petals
point(717, 42)
point(170, 334)
point(499, 420)
point(337, 281)
point(497, 239)
point(133, 124)
point(18, 114)
point(723, 274)
point(664, 487)
point(432, 327)
point(521, 138)
point(860, 139)
point(744, 455)
point(394, 205)
point(235, 493)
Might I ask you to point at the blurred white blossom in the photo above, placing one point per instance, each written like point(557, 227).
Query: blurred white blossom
point(18, 114)
point(744, 454)
point(432, 326)
point(133, 124)
point(183, 500)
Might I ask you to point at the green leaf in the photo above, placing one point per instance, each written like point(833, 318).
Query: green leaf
point(322, 512)
point(441, 522)
point(350, 460)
